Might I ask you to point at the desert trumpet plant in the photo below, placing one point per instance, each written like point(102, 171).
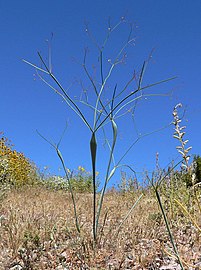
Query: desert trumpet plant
point(179, 132)
point(106, 106)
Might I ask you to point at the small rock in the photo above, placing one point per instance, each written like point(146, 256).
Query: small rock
point(130, 256)
point(16, 267)
point(172, 266)
point(60, 267)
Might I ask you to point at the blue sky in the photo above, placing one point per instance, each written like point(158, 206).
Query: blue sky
point(171, 28)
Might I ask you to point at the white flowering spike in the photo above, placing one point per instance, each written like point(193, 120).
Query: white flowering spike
point(179, 134)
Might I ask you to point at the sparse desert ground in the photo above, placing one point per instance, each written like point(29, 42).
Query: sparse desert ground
point(37, 231)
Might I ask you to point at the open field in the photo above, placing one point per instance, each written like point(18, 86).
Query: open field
point(37, 231)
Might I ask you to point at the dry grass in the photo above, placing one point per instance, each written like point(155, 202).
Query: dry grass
point(37, 231)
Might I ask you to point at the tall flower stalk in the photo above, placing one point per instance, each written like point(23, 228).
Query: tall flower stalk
point(179, 132)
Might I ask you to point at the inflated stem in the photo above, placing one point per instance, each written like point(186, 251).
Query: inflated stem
point(93, 148)
point(108, 174)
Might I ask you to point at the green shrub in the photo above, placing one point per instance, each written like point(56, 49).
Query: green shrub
point(197, 165)
point(15, 168)
point(81, 181)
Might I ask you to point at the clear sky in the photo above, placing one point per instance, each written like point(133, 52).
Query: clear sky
point(171, 28)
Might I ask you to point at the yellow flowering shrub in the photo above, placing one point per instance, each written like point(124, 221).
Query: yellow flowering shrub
point(15, 168)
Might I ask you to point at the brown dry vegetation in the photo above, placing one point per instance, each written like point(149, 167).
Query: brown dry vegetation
point(37, 231)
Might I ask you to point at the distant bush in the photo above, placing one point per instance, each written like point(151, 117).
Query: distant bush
point(193, 176)
point(128, 183)
point(15, 168)
point(197, 169)
point(81, 181)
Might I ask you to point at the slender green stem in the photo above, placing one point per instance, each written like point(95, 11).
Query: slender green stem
point(67, 176)
point(36, 67)
point(127, 215)
point(101, 66)
point(188, 214)
point(70, 187)
point(116, 61)
point(64, 92)
point(92, 82)
point(61, 95)
point(112, 105)
point(128, 96)
point(136, 99)
point(100, 93)
point(168, 228)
